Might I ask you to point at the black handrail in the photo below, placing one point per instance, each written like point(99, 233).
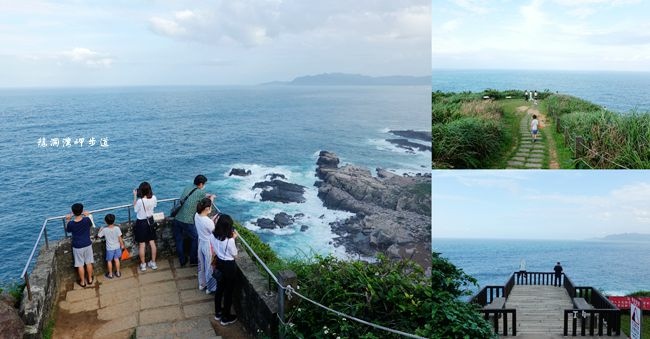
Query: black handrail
point(497, 314)
point(597, 319)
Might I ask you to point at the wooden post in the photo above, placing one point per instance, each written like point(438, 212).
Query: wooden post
point(579, 147)
point(286, 278)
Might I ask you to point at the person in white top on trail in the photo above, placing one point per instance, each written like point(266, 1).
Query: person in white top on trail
point(204, 228)
point(225, 248)
point(144, 232)
point(534, 124)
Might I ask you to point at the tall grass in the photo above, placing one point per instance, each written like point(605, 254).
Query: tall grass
point(614, 140)
point(467, 131)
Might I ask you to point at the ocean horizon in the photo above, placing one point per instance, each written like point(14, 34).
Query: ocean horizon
point(615, 267)
point(617, 90)
point(168, 134)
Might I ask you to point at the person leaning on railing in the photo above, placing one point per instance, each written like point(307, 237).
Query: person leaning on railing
point(144, 231)
point(82, 247)
point(223, 244)
point(184, 220)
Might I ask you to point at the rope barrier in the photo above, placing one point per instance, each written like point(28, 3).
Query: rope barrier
point(289, 291)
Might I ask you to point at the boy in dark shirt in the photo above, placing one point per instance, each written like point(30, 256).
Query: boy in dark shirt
point(82, 248)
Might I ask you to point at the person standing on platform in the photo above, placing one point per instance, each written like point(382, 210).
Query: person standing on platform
point(558, 274)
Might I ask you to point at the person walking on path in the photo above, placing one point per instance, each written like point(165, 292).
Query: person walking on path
point(534, 125)
point(223, 243)
point(144, 232)
point(82, 246)
point(558, 274)
point(184, 221)
point(204, 228)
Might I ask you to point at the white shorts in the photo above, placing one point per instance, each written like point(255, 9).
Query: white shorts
point(83, 256)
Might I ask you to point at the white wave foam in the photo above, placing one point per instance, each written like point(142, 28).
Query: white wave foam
point(384, 130)
point(383, 145)
point(289, 240)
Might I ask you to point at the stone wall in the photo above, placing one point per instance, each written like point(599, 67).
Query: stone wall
point(55, 267)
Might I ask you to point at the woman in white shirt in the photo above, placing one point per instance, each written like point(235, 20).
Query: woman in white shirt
point(143, 203)
point(204, 228)
point(224, 246)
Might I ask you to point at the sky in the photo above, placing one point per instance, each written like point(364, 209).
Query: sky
point(569, 205)
point(580, 35)
point(74, 43)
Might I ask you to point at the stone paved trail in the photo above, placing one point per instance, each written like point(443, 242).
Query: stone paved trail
point(164, 303)
point(529, 155)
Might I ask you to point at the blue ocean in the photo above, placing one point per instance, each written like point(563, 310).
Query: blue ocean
point(168, 135)
point(618, 268)
point(619, 91)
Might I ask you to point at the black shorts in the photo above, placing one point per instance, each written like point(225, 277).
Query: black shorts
point(143, 232)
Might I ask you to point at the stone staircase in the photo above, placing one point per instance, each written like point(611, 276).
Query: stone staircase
point(164, 303)
point(529, 155)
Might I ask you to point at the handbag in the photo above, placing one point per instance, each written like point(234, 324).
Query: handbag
point(150, 220)
point(177, 208)
point(217, 274)
point(125, 254)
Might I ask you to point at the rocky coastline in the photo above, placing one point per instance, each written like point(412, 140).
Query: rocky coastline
point(392, 212)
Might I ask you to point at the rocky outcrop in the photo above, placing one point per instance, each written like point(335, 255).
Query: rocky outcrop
point(273, 176)
point(11, 325)
point(280, 220)
point(411, 134)
point(281, 191)
point(392, 212)
point(411, 147)
point(240, 172)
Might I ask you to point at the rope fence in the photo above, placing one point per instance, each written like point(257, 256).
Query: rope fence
point(289, 291)
point(577, 145)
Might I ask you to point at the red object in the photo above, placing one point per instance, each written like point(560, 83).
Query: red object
point(623, 303)
point(125, 254)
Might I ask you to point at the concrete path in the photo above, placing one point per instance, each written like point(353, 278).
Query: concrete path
point(529, 155)
point(164, 303)
point(540, 311)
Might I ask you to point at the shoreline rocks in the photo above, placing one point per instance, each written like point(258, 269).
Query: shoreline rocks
point(281, 191)
point(392, 212)
point(240, 172)
point(411, 134)
point(411, 147)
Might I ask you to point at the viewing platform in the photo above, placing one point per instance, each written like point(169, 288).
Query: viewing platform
point(537, 305)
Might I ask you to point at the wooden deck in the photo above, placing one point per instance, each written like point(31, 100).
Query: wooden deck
point(540, 310)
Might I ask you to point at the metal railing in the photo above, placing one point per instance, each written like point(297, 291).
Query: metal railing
point(43, 235)
point(287, 290)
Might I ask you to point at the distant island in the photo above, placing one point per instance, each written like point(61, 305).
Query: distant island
point(345, 79)
point(636, 237)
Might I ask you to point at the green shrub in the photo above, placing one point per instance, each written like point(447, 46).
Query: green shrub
point(468, 142)
point(640, 294)
point(452, 317)
point(395, 294)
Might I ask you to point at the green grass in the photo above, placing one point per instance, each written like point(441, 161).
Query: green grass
point(15, 290)
point(48, 330)
point(645, 325)
point(616, 140)
point(640, 294)
point(563, 153)
point(512, 120)
point(469, 132)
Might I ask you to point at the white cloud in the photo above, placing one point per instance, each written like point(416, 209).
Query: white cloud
point(88, 57)
point(473, 6)
point(254, 23)
point(451, 25)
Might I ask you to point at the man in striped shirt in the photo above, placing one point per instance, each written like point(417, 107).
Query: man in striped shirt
point(184, 220)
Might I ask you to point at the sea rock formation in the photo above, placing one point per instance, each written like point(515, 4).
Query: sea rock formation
point(392, 212)
point(273, 176)
point(411, 134)
point(281, 191)
point(239, 172)
point(409, 146)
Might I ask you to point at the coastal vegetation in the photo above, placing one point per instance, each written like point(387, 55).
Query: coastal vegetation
point(609, 139)
point(391, 293)
point(467, 131)
point(478, 130)
point(452, 317)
